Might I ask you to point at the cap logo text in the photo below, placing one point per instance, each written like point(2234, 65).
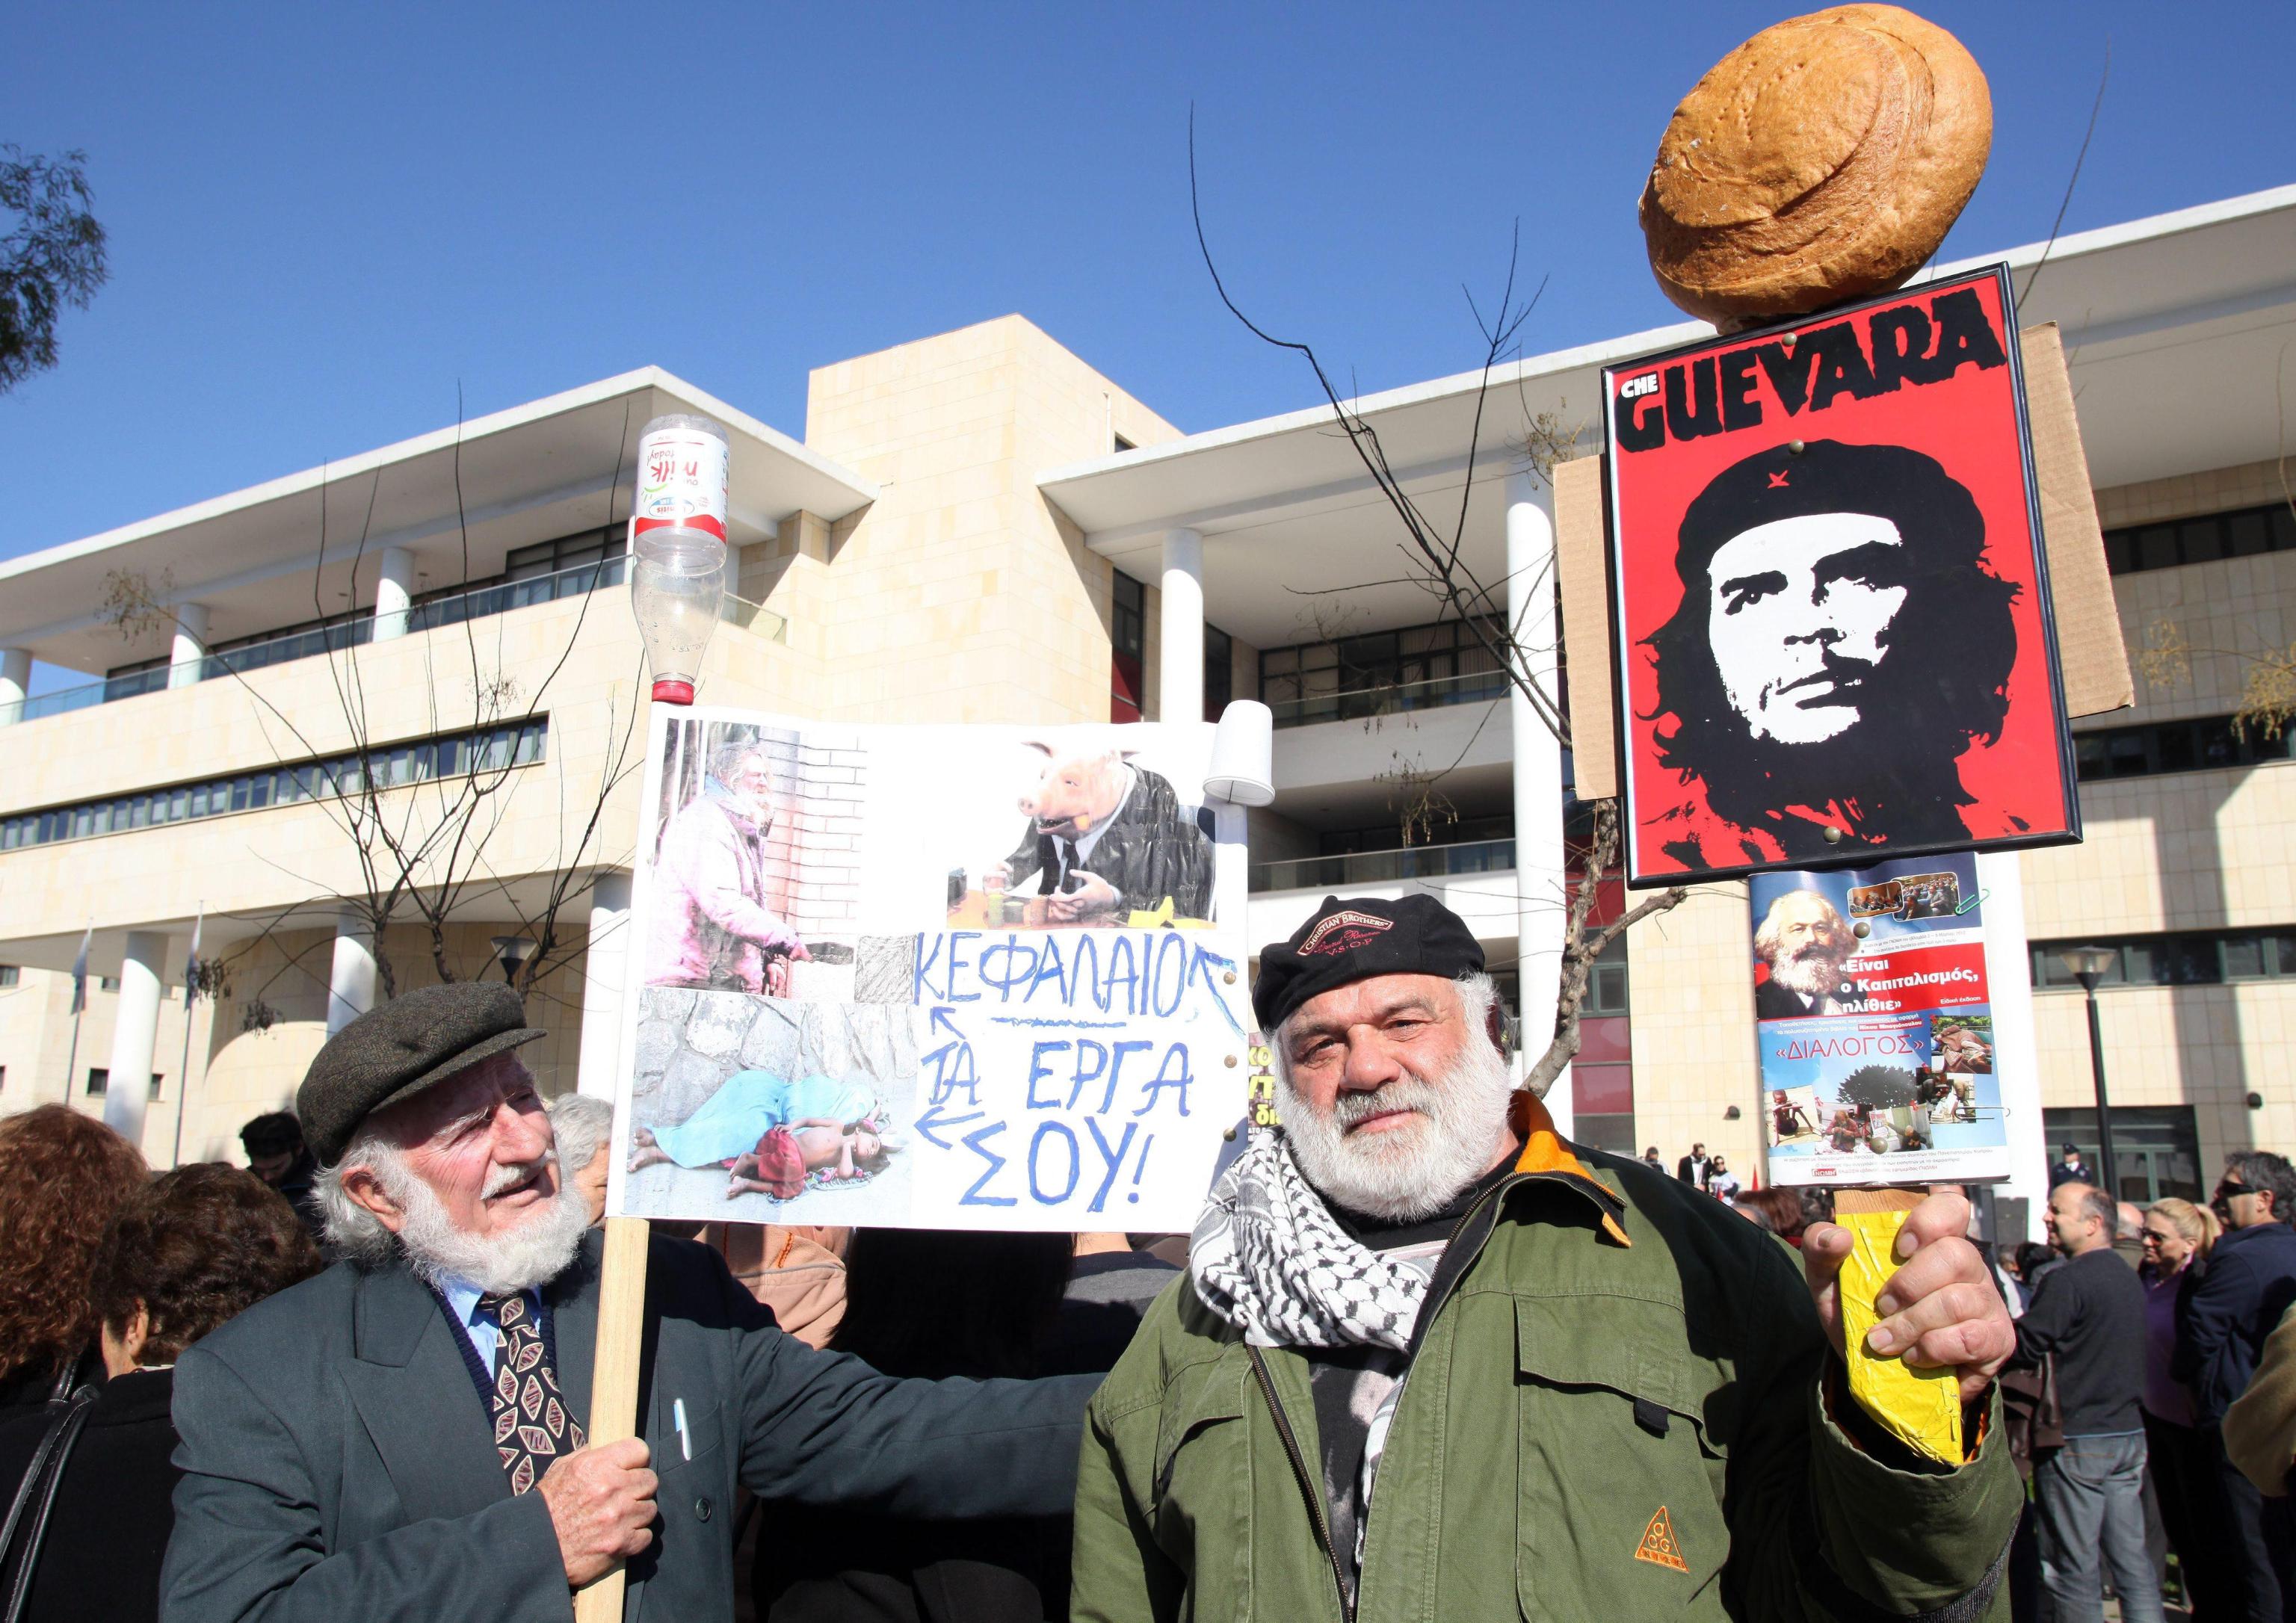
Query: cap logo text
point(1344, 932)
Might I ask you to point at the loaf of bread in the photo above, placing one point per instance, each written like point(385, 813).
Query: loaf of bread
point(1824, 158)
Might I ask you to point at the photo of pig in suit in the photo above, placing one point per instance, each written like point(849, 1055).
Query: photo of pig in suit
point(1107, 838)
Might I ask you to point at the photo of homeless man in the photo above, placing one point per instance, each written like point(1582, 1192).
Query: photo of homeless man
point(1840, 643)
point(742, 828)
point(1106, 837)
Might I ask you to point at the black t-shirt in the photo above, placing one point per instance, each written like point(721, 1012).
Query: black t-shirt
point(1351, 1384)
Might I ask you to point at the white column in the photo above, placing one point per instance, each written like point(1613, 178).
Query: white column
point(350, 985)
point(394, 592)
point(605, 962)
point(15, 677)
point(190, 645)
point(1180, 663)
point(1540, 884)
point(2016, 1052)
point(134, 1029)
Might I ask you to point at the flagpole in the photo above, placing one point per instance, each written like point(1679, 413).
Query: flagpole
point(191, 1000)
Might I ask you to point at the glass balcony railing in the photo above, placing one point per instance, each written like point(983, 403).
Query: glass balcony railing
point(1357, 704)
point(1383, 867)
point(454, 609)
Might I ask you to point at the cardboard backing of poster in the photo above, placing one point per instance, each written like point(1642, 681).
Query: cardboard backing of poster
point(949, 977)
point(1880, 1056)
point(2092, 660)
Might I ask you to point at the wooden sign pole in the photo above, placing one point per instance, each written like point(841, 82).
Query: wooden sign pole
point(614, 1380)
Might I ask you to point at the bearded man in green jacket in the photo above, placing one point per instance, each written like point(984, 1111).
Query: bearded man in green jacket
point(1431, 1364)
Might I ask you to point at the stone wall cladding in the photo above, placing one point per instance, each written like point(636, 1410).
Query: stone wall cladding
point(690, 1043)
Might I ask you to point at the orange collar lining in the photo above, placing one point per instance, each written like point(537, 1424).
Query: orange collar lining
point(1544, 1151)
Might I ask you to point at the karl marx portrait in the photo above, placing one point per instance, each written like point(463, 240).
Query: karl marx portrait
point(1807, 946)
point(1838, 646)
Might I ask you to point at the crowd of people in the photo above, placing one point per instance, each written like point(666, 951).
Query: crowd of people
point(351, 1379)
point(2141, 1336)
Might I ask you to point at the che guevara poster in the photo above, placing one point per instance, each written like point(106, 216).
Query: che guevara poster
point(947, 977)
point(1832, 615)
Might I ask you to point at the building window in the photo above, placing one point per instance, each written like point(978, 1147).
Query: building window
point(2201, 745)
point(1606, 981)
point(596, 554)
point(97, 1075)
point(453, 755)
point(1127, 639)
point(10, 974)
point(2187, 958)
point(1413, 668)
point(2156, 1147)
point(566, 553)
point(2244, 533)
point(107, 983)
point(1122, 444)
point(1219, 671)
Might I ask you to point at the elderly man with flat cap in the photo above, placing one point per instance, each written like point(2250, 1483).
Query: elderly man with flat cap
point(401, 1436)
point(1432, 1362)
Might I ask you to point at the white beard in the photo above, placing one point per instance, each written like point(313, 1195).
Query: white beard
point(1404, 1172)
point(535, 1252)
point(1814, 976)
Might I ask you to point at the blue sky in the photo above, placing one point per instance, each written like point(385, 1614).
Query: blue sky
point(325, 219)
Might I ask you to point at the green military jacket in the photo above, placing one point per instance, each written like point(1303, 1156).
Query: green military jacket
point(1617, 1408)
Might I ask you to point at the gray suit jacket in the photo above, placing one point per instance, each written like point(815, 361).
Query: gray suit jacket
point(339, 1461)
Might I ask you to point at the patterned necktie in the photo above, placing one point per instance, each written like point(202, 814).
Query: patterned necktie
point(1069, 859)
point(531, 1426)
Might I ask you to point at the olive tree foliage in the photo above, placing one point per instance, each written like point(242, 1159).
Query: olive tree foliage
point(1431, 556)
point(52, 256)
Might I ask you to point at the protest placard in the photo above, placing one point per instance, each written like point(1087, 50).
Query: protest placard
point(1832, 628)
point(952, 977)
point(1874, 1010)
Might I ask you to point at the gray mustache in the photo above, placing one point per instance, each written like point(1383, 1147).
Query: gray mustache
point(1349, 1108)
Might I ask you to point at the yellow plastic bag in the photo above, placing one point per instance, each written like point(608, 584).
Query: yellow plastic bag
point(1920, 1407)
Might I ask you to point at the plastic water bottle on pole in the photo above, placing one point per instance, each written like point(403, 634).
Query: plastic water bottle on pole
point(677, 588)
point(678, 539)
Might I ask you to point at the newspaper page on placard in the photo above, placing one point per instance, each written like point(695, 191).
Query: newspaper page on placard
point(948, 976)
point(1880, 1062)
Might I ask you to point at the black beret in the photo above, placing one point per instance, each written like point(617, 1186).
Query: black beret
point(1346, 942)
point(393, 1052)
point(1934, 512)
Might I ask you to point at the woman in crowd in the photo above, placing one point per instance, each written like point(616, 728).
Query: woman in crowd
point(930, 1303)
point(62, 1176)
point(183, 1254)
point(2177, 1236)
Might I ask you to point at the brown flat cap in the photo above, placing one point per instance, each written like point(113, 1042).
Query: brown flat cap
point(395, 1052)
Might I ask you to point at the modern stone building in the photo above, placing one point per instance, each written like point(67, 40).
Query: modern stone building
point(979, 527)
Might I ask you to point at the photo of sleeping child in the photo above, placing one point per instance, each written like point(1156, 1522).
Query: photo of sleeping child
point(754, 1110)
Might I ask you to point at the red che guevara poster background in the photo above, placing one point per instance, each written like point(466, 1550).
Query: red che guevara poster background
point(1832, 608)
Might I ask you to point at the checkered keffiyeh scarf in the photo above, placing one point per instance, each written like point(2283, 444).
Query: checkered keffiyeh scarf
point(1268, 1257)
